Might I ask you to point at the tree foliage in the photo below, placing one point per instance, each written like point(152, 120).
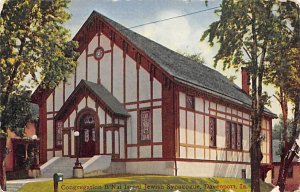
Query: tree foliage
point(35, 47)
point(278, 129)
point(19, 112)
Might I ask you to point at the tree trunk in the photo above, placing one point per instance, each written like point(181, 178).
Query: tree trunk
point(288, 155)
point(255, 166)
point(2, 158)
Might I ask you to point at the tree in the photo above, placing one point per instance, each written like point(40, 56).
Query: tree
point(35, 46)
point(284, 74)
point(246, 31)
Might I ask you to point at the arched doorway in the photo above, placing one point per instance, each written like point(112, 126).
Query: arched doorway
point(87, 134)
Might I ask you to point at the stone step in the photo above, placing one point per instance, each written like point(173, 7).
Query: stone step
point(62, 165)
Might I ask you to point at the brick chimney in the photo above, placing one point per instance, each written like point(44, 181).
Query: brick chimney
point(245, 81)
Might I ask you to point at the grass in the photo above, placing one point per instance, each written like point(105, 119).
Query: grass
point(145, 183)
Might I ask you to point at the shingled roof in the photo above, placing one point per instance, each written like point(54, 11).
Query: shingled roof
point(107, 98)
point(183, 69)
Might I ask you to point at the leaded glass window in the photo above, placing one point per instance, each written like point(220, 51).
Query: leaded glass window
point(59, 127)
point(145, 131)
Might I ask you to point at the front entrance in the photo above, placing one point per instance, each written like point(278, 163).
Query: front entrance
point(87, 134)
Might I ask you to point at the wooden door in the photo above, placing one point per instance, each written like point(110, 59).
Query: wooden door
point(88, 137)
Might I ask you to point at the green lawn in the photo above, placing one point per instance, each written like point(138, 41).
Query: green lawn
point(144, 183)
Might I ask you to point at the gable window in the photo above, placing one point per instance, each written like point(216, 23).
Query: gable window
point(290, 172)
point(212, 132)
point(190, 102)
point(58, 134)
point(145, 123)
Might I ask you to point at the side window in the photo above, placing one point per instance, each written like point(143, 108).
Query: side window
point(228, 134)
point(212, 132)
point(239, 136)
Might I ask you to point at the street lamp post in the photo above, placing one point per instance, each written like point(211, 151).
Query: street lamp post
point(77, 163)
point(77, 169)
point(34, 138)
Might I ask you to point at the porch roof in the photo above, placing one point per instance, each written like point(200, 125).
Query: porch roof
point(99, 93)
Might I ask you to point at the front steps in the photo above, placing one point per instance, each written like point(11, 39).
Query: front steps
point(60, 165)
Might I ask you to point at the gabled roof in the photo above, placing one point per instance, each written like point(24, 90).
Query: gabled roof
point(184, 70)
point(181, 67)
point(97, 91)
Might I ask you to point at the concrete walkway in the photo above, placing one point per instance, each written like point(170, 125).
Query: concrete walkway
point(28, 180)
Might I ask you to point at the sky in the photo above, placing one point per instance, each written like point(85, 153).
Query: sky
point(182, 34)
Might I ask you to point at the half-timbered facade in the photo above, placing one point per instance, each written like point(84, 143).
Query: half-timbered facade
point(153, 110)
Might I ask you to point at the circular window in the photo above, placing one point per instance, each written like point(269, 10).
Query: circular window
point(99, 53)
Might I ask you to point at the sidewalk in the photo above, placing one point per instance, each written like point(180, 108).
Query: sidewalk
point(24, 181)
point(15, 185)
